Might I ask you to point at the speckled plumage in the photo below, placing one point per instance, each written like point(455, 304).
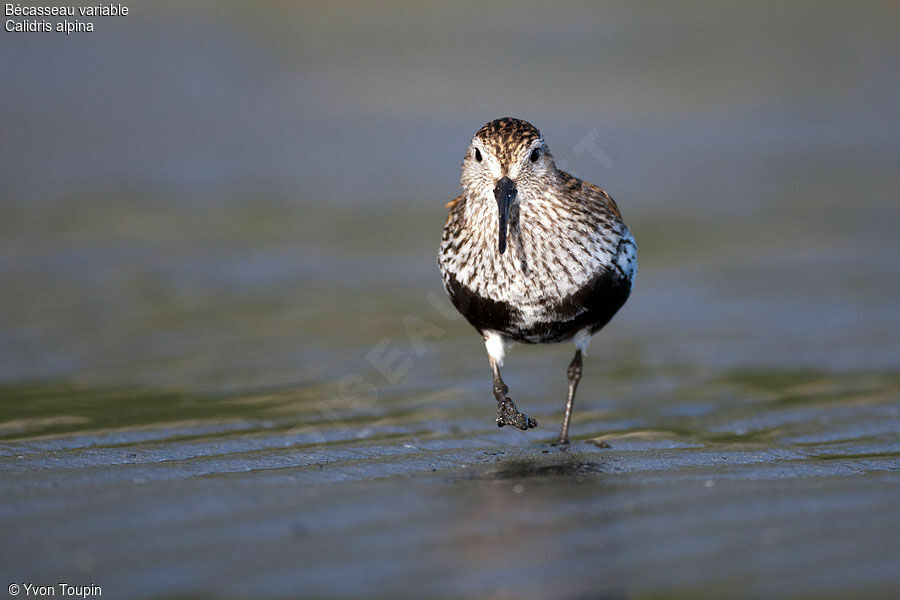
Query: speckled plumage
point(569, 260)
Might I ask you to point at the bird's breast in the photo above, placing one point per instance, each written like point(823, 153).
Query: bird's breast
point(559, 273)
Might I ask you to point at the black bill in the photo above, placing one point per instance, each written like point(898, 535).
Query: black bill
point(504, 192)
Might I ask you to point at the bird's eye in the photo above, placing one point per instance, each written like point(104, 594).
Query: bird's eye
point(477, 154)
point(535, 155)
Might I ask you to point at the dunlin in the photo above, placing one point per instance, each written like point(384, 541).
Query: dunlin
point(532, 254)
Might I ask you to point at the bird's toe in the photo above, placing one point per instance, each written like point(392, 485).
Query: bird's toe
point(508, 414)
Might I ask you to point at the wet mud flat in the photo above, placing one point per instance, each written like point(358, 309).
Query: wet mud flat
point(792, 492)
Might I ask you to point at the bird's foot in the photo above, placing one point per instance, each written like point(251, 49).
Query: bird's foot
point(508, 414)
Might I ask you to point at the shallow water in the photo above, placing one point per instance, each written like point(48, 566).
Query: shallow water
point(216, 387)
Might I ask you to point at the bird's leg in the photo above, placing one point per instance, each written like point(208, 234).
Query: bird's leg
point(507, 413)
point(574, 378)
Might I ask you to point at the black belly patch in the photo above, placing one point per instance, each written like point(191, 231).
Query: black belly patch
point(590, 307)
point(483, 313)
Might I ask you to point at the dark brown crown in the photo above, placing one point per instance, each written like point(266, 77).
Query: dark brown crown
point(507, 136)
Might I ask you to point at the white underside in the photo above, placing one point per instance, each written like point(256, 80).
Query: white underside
point(496, 345)
point(582, 339)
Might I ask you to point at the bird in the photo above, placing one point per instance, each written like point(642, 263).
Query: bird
point(532, 254)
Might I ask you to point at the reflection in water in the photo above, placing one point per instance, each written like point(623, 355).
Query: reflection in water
point(565, 464)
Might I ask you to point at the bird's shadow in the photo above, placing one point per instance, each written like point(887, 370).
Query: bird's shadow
point(545, 465)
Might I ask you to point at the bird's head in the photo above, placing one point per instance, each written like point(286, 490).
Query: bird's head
point(507, 163)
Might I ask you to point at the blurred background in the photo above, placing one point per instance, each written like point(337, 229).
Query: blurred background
point(208, 200)
point(208, 194)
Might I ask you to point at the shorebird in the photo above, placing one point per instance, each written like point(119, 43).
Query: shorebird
point(532, 254)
